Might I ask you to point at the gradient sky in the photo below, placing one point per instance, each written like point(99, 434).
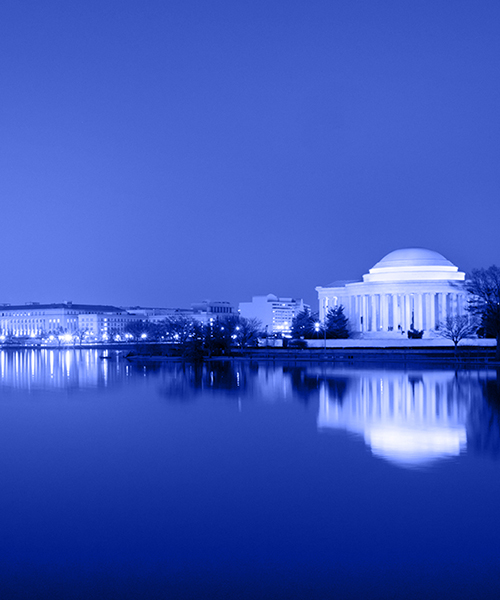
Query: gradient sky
point(164, 152)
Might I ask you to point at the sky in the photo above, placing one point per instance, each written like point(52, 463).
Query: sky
point(159, 153)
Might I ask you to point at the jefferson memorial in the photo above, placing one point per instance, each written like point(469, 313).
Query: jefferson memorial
point(412, 288)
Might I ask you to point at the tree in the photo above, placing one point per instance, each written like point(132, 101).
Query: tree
point(458, 327)
point(179, 329)
point(249, 332)
point(137, 329)
point(336, 323)
point(244, 332)
point(217, 337)
point(80, 335)
point(304, 324)
point(193, 346)
point(484, 288)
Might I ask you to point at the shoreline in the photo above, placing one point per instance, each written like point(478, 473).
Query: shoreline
point(464, 358)
point(467, 355)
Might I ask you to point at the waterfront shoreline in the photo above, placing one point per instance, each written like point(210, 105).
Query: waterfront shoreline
point(480, 354)
point(386, 355)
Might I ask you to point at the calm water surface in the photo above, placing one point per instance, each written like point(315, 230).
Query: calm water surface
point(246, 480)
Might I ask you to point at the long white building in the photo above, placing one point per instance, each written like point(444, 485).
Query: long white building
point(412, 288)
point(34, 319)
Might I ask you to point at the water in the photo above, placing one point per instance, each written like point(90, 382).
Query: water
point(245, 480)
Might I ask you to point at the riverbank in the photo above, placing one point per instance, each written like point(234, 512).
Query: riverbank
point(466, 356)
point(481, 352)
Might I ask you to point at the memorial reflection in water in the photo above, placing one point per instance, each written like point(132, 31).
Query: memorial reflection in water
point(411, 418)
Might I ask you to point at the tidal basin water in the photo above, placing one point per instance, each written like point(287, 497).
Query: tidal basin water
point(246, 480)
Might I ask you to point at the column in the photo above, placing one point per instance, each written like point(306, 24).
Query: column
point(395, 313)
point(407, 314)
point(368, 312)
point(374, 326)
point(432, 311)
point(384, 309)
point(365, 312)
point(439, 308)
point(428, 309)
point(418, 311)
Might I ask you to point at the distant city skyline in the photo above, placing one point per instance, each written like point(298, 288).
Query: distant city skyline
point(190, 304)
point(162, 153)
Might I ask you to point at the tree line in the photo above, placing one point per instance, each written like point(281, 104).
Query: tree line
point(196, 339)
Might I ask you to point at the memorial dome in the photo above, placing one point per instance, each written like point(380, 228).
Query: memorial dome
point(413, 264)
point(413, 257)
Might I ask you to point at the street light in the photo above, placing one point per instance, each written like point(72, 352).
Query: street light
point(317, 326)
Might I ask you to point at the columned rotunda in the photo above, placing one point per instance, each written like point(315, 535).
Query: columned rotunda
point(412, 288)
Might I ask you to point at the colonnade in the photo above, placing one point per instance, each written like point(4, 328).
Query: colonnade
point(402, 311)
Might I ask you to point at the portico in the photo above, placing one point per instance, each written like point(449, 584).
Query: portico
point(408, 289)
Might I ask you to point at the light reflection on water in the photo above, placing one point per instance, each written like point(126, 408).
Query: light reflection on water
point(236, 469)
point(408, 417)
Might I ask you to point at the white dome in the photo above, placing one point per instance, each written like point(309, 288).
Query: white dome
point(414, 264)
point(413, 257)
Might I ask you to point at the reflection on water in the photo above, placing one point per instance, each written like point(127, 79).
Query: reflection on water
point(266, 475)
point(414, 418)
point(411, 418)
point(408, 418)
point(59, 369)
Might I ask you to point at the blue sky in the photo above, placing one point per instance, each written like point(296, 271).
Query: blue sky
point(160, 153)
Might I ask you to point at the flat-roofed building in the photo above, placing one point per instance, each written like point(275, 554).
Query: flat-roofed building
point(276, 314)
point(35, 319)
point(199, 311)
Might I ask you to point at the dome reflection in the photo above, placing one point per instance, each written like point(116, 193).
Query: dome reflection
point(408, 418)
point(411, 418)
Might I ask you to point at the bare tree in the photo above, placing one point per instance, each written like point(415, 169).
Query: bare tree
point(484, 288)
point(80, 335)
point(179, 328)
point(137, 328)
point(248, 332)
point(457, 328)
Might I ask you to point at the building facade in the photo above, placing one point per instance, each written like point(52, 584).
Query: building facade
point(409, 289)
point(91, 322)
point(35, 319)
point(202, 312)
point(276, 314)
